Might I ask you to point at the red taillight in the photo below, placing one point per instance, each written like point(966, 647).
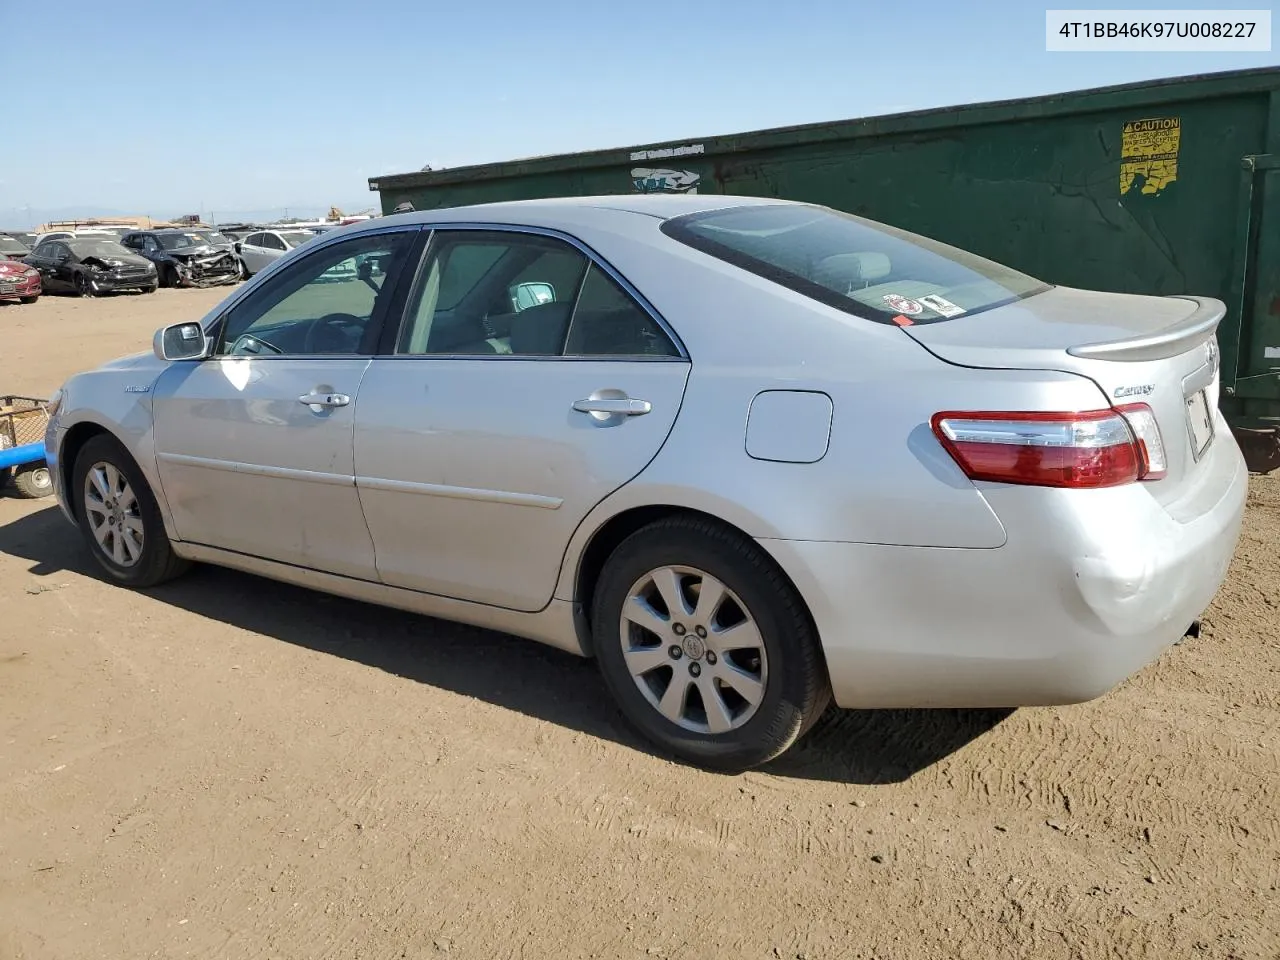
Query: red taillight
point(1091, 448)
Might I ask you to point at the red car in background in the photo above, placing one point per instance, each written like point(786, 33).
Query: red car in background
point(17, 280)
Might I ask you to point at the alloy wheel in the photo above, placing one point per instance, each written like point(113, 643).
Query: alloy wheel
point(693, 649)
point(113, 514)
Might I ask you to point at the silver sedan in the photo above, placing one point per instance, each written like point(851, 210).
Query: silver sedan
point(750, 455)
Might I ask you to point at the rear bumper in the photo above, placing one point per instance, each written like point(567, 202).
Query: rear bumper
point(1090, 587)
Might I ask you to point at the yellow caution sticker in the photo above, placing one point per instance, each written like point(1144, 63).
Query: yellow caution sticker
point(1149, 154)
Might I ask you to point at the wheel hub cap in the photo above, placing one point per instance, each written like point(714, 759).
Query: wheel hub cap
point(694, 648)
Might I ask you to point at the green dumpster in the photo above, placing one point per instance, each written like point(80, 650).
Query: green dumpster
point(1165, 187)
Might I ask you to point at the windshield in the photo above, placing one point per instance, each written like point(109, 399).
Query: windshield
point(296, 238)
point(10, 245)
point(97, 248)
point(213, 236)
point(865, 268)
point(176, 241)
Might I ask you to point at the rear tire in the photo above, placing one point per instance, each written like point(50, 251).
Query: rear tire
point(748, 664)
point(32, 483)
point(118, 516)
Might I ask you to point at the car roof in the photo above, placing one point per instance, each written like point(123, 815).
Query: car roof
point(548, 211)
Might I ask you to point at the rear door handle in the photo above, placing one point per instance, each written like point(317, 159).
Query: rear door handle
point(324, 399)
point(604, 407)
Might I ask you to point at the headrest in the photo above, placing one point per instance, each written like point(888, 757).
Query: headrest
point(540, 330)
point(843, 269)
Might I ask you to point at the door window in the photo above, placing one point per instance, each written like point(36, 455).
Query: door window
point(272, 242)
point(253, 240)
point(607, 322)
point(303, 312)
point(515, 294)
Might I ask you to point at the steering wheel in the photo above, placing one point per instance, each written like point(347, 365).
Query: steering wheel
point(334, 333)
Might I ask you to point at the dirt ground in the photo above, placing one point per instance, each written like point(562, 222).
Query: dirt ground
point(226, 767)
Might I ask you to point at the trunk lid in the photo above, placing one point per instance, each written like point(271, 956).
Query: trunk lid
point(1161, 351)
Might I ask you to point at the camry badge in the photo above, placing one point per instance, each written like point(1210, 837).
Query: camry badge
point(1141, 390)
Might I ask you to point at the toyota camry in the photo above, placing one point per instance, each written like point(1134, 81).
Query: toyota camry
point(749, 455)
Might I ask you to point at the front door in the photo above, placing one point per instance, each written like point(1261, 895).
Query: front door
point(254, 446)
point(526, 386)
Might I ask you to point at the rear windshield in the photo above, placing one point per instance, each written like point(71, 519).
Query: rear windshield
point(865, 268)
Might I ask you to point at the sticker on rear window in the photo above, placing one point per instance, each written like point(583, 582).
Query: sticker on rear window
point(941, 305)
point(903, 304)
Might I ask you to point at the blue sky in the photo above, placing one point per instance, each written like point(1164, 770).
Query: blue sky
point(246, 108)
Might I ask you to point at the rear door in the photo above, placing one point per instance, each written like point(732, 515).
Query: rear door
point(526, 385)
point(253, 254)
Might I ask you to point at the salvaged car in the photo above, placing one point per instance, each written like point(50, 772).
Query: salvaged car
point(90, 267)
point(18, 281)
point(12, 249)
point(25, 237)
point(187, 257)
point(751, 455)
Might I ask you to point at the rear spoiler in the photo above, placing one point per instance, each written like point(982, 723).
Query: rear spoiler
point(1187, 333)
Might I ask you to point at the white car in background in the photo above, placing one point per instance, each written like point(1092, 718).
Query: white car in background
point(261, 249)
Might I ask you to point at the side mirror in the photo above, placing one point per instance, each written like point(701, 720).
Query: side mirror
point(526, 295)
point(180, 341)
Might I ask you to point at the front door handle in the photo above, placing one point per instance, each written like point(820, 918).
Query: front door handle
point(324, 399)
point(607, 407)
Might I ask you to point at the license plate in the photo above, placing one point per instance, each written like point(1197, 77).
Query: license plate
point(1199, 423)
point(8, 288)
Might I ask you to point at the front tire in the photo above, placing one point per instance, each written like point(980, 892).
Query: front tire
point(28, 300)
point(171, 278)
point(706, 647)
point(119, 518)
point(149, 289)
point(84, 286)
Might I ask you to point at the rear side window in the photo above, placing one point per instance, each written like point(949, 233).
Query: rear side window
point(868, 269)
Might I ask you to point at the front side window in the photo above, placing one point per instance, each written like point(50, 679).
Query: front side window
point(506, 293)
point(302, 312)
point(272, 242)
point(864, 268)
